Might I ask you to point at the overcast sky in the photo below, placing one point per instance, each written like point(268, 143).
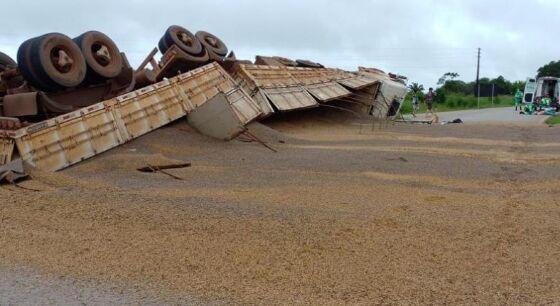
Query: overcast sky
point(421, 39)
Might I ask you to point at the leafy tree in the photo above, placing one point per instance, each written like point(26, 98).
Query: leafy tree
point(484, 81)
point(469, 88)
point(449, 76)
point(502, 85)
point(452, 75)
point(552, 69)
point(518, 85)
point(440, 96)
point(456, 86)
point(416, 88)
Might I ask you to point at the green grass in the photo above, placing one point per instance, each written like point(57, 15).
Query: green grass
point(553, 120)
point(460, 102)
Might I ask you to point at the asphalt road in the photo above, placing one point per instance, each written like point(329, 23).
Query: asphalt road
point(489, 115)
point(24, 286)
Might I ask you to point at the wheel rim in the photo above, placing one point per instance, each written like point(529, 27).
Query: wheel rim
point(212, 41)
point(61, 60)
point(186, 39)
point(101, 54)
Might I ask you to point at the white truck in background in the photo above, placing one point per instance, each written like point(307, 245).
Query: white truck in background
point(541, 87)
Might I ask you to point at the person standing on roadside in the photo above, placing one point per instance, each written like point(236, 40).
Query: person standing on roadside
point(429, 99)
point(415, 104)
point(518, 99)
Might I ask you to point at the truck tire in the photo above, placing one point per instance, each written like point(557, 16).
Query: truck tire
point(212, 43)
point(182, 38)
point(6, 62)
point(102, 56)
point(45, 61)
point(162, 45)
point(26, 67)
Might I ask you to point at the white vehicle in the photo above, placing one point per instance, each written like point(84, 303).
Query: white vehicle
point(541, 87)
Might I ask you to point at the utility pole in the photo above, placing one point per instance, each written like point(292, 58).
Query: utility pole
point(493, 87)
point(478, 78)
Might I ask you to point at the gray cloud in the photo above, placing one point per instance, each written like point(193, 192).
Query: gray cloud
point(421, 39)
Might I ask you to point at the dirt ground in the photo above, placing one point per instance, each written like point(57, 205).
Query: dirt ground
point(405, 214)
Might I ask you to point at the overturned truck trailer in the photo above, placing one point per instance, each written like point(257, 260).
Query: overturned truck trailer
point(391, 95)
point(99, 110)
point(68, 139)
point(284, 88)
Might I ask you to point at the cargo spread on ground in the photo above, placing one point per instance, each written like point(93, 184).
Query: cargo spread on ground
point(199, 177)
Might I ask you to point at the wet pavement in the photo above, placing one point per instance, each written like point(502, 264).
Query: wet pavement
point(488, 115)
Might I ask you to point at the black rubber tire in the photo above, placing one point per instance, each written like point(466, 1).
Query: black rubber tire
point(26, 69)
point(6, 62)
point(89, 42)
point(212, 43)
point(44, 68)
point(162, 45)
point(172, 37)
point(308, 64)
point(24, 65)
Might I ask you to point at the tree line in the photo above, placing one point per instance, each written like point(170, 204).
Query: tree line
point(551, 69)
point(502, 86)
point(449, 84)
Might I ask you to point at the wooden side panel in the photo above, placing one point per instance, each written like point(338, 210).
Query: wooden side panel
point(309, 76)
point(69, 139)
point(243, 106)
point(199, 85)
point(6, 150)
point(329, 91)
point(147, 109)
point(269, 76)
point(291, 98)
point(246, 83)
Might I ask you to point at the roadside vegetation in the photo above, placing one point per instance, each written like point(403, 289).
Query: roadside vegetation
point(553, 120)
point(455, 101)
point(459, 95)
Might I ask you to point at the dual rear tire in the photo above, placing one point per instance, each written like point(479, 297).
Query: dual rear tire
point(54, 61)
point(182, 38)
point(196, 45)
point(51, 62)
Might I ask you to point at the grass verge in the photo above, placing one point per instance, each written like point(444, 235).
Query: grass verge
point(460, 102)
point(553, 120)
